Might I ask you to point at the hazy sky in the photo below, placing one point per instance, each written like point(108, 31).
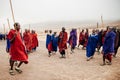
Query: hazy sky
point(33, 11)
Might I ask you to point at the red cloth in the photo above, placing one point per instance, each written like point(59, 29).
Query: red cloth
point(30, 42)
point(103, 36)
point(27, 41)
point(17, 49)
point(81, 38)
point(50, 48)
point(86, 39)
point(108, 57)
point(62, 41)
point(34, 40)
point(71, 41)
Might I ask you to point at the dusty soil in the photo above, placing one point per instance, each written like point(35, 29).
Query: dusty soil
point(74, 67)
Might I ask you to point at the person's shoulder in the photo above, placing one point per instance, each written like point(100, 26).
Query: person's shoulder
point(65, 32)
point(112, 33)
point(12, 31)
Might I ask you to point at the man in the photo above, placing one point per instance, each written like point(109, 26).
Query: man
point(54, 42)
point(26, 39)
point(73, 39)
point(34, 41)
point(91, 46)
point(117, 40)
point(81, 39)
point(17, 49)
point(99, 45)
point(62, 42)
point(108, 46)
point(86, 37)
point(49, 42)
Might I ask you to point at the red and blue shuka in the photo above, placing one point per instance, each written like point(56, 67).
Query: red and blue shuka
point(49, 42)
point(54, 42)
point(17, 48)
point(108, 46)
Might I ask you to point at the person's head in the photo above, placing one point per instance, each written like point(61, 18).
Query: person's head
point(110, 29)
point(82, 30)
point(87, 30)
point(93, 31)
point(114, 29)
point(63, 29)
point(32, 31)
point(97, 31)
point(50, 31)
point(25, 30)
point(55, 33)
point(17, 26)
point(28, 30)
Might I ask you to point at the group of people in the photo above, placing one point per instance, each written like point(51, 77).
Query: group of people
point(108, 39)
point(19, 46)
point(2, 36)
point(53, 41)
point(30, 40)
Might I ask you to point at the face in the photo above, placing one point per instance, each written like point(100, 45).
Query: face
point(17, 27)
point(109, 29)
point(63, 29)
point(25, 30)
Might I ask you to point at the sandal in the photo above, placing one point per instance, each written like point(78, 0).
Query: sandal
point(18, 70)
point(11, 72)
point(102, 64)
point(109, 63)
point(88, 59)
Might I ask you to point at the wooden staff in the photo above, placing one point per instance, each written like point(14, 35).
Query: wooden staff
point(29, 26)
point(97, 24)
point(12, 11)
point(102, 22)
point(8, 23)
point(4, 28)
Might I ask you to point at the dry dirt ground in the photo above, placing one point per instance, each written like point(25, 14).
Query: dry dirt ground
point(74, 67)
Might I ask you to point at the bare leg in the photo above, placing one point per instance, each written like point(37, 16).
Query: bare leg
point(11, 64)
point(103, 61)
point(17, 68)
point(19, 64)
point(11, 69)
point(49, 52)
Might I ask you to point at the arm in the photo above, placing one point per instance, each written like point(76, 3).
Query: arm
point(13, 38)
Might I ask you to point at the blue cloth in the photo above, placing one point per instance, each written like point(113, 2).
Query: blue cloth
point(0, 36)
point(8, 45)
point(108, 46)
point(73, 38)
point(48, 39)
point(54, 42)
point(91, 46)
